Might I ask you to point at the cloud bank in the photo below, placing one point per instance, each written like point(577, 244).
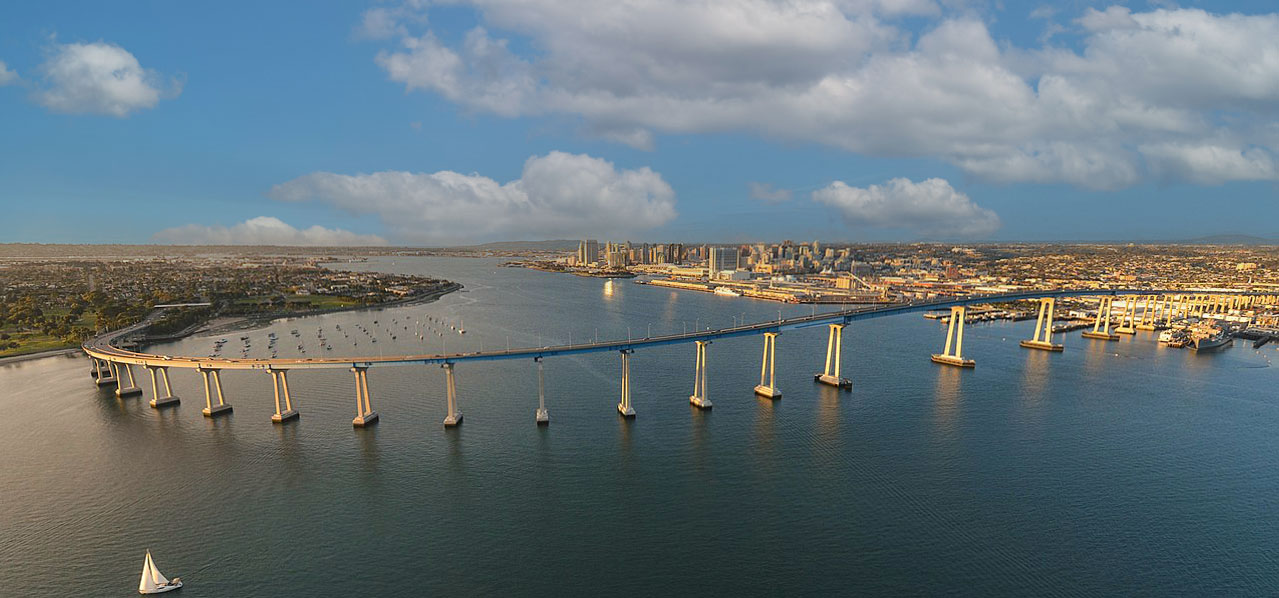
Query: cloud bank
point(7, 75)
point(1166, 93)
point(558, 195)
point(264, 230)
point(930, 208)
point(99, 78)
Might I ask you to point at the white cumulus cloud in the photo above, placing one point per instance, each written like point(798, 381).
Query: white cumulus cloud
point(558, 195)
point(7, 75)
point(845, 73)
point(99, 78)
point(929, 208)
point(264, 230)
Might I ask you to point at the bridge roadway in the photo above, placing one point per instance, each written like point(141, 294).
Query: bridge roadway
point(101, 347)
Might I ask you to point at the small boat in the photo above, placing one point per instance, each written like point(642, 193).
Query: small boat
point(153, 582)
point(726, 292)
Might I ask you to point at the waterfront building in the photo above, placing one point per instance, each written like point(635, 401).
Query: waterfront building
point(588, 252)
point(720, 259)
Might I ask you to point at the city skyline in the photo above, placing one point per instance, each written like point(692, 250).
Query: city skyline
point(402, 124)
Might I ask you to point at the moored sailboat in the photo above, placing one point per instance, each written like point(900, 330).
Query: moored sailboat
point(154, 582)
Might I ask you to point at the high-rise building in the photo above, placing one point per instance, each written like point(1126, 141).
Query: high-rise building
point(617, 259)
point(674, 253)
point(722, 258)
point(588, 252)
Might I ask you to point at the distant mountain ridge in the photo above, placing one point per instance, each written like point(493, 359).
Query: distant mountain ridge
point(1230, 240)
point(549, 245)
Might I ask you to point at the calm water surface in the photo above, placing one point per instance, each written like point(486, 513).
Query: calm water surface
point(1111, 468)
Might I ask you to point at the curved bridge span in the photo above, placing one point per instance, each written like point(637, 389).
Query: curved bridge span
point(118, 360)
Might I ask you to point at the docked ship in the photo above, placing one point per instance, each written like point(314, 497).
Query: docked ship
point(1217, 339)
point(726, 292)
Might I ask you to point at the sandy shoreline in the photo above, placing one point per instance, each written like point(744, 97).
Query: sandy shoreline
point(225, 324)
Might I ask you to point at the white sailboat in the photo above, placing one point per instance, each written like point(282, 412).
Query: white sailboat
point(153, 582)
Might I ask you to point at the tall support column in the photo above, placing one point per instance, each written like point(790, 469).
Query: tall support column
point(104, 378)
point(124, 370)
point(624, 406)
point(161, 396)
point(834, 348)
point(955, 332)
point(1044, 328)
point(364, 413)
point(699, 397)
point(768, 369)
point(212, 388)
point(1101, 328)
point(1128, 323)
point(280, 385)
point(543, 417)
point(1149, 320)
point(454, 416)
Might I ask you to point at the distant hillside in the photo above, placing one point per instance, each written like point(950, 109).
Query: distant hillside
point(555, 245)
point(96, 251)
point(1230, 240)
point(68, 251)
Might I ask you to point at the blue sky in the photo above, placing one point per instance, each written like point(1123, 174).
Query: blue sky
point(412, 123)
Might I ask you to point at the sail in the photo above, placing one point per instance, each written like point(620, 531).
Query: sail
point(156, 576)
point(148, 583)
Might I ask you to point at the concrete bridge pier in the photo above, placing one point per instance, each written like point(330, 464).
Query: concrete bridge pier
point(543, 417)
point(364, 413)
point(121, 390)
point(212, 386)
point(1128, 323)
point(768, 370)
point(454, 417)
point(624, 407)
point(955, 333)
point(1149, 319)
point(834, 345)
point(100, 378)
point(280, 384)
point(1101, 327)
point(1044, 328)
point(158, 399)
point(699, 397)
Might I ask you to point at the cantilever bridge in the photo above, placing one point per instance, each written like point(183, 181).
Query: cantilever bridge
point(112, 365)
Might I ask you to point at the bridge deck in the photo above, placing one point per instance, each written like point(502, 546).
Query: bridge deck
point(102, 348)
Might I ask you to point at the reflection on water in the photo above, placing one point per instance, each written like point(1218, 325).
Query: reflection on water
point(1034, 375)
point(1097, 354)
point(946, 398)
point(764, 431)
point(828, 410)
point(701, 436)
